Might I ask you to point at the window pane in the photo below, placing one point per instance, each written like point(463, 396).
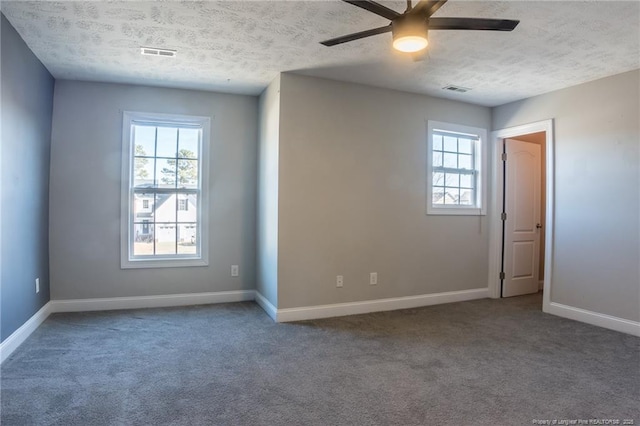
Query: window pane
point(142, 207)
point(464, 161)
point(450, 160)
point(145, 140)
point(455, 170)
point(165, 210)
point(464, 146)
point(437, 159)
point(452, 179)
point(163, 178)
point(188, 143)
point(466, 181)
point(438, 179)
point(450, 144)
point(187, 207)
point(167, 142)
point(142, 172)
point(187, 235)
point(165, 238)
point(166, 173)
point(188, 173)
point(438, 195)
point(452, 195)
point(437, 142)
point(466, 197)
point(143, 239)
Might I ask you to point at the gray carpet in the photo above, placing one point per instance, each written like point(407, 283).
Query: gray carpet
point(482, 362)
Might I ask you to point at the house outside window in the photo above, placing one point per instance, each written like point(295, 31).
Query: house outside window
point(456, 158)
point(164, 190)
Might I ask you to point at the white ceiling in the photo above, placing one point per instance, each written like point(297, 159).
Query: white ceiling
point(240, 46)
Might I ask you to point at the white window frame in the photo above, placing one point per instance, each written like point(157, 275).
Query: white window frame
point(480, 156)
point(127, 259)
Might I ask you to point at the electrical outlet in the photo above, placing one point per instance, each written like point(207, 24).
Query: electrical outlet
point(37, 285)
point(339, 281)
point(235, 270)
point(373, 278)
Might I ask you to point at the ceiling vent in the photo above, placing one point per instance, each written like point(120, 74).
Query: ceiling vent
point(458, 89)
point(152, 51)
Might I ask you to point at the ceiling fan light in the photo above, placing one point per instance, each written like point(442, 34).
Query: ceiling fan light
point(410, 43)
point(409, 33)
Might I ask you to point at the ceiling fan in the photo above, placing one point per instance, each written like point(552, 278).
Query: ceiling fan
point(409, 29)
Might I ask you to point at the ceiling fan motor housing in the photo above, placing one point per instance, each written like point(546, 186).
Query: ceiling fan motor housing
point(410, 30)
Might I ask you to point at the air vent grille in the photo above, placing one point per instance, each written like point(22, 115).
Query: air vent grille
point(152, 51)
point(458, 89)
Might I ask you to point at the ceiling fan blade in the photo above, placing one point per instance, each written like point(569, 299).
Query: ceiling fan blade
point(427, 7)
point(472, 24)
point(356, 36)
point(374, 7)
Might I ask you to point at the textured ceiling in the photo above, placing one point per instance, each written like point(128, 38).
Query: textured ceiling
point(240, 46)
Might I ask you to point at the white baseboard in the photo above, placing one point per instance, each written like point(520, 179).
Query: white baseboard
point(594, 318)
point(12, 342)
point(354, 308)
point(161, 301)
point(267, 306)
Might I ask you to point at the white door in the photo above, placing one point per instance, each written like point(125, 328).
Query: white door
point(522, 226)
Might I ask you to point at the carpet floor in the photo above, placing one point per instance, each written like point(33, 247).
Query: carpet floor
point(483, 362)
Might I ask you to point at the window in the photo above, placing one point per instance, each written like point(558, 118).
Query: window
point(164, 194)
point(455, 167)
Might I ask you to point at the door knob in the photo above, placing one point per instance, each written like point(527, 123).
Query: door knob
point(538, 226)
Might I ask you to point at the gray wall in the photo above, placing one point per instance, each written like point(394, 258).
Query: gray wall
point(597, 191)
point(352, 196)
point(267, 248)
point(85, 188)
point(27, 101)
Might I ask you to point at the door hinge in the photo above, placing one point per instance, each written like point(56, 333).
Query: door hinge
point(504, 156)
point(502, 275)
point(503, 216)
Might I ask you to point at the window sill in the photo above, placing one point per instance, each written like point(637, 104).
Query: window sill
point(444, 211)
point(162, 263)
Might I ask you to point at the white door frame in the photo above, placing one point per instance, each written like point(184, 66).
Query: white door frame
point(495, 224)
